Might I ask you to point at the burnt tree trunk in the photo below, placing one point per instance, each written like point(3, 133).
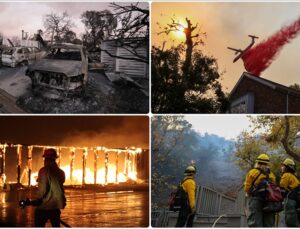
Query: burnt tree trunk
point(189, 49)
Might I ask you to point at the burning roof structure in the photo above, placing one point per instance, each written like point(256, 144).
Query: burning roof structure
point(82, 165)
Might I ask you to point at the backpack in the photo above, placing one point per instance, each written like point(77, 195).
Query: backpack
point(270, 192)
point(178, 198)
point(274, 197)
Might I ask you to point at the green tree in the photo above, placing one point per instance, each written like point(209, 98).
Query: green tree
point(248, 147)
point(167, 133)
point(280, 132)
point(184, 80)
point(273, 135)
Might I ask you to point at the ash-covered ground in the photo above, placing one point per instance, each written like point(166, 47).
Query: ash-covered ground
point(101, 95)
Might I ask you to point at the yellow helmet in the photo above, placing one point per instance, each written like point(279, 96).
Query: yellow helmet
point(190, 169)
point(263, 158)
point(290, 163)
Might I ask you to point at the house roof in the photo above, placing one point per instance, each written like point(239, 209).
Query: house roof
point(265, 82)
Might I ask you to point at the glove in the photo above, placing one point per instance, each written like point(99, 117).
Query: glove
point(24, 203)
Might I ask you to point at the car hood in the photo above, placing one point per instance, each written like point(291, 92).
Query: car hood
point(68, 67)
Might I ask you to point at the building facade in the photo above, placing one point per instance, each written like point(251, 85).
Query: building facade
point(254, 94)
point(128, 66)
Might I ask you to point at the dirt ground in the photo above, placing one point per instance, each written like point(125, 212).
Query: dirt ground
point(101, 95)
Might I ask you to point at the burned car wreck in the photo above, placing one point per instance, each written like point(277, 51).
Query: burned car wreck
point(62, 72)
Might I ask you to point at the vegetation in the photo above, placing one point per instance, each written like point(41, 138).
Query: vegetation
point(277, 137)
point(184, 80)
point(175, 145)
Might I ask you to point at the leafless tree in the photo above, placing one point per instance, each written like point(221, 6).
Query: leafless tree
point(57, 25)
point(132, 32)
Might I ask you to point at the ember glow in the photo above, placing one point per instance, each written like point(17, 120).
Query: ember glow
point(261, 56)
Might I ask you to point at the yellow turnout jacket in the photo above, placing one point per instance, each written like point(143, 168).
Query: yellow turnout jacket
point(251, 176)
point(189, 186)
point(289, 181)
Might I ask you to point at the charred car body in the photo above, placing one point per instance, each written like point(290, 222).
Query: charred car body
point(63, 71)
point(14, 56)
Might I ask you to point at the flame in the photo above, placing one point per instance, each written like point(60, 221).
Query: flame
point(129, 172)
point(89, 178)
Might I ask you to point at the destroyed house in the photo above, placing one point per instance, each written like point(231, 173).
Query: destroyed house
point(253, 94)
point(130, 67)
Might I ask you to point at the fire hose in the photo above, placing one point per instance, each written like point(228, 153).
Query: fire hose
point(217, 220)
point(64, 223)
point(27, 202)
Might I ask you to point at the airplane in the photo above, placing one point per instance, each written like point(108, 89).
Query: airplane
point(241, 52)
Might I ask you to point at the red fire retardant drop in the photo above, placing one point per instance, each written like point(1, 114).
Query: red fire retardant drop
point(259, 58)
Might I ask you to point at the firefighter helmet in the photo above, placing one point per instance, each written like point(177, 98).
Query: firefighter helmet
point(263, 158)
point(50, 153)
point(289, 163)
point(190, 169)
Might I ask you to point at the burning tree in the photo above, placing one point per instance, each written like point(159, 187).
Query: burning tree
point(189, 84)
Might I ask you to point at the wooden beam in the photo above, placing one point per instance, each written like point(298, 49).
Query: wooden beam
point(84, 157)
point(95, 165)
point(106, 167)
point(72, 165)
point(29, 164)
point(19, 162)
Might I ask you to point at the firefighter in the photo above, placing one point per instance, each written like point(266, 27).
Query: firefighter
point(254, 180)
point(188, 209)
point(51, 197)
point(290, 182)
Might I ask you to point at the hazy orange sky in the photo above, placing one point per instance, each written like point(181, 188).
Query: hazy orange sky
point(228, 24)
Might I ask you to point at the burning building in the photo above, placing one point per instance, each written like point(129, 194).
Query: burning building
point(253, 94)
point(82, 165)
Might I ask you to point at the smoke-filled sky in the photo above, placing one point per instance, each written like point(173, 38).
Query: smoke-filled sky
point(116, 131)
point(228, 24)
point(227, 126)
point(15, 16)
